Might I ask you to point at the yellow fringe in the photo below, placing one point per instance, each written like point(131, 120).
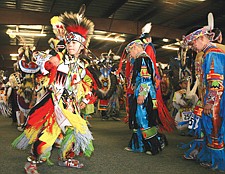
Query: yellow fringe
point(50, 137)
point(76, 120)
point(31, 134)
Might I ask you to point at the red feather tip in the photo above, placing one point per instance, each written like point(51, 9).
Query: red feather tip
point(78, 29)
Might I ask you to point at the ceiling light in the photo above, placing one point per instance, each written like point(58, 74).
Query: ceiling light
point(170, 47)
point(27, 44)
point(29, 27)
point(13, 33)
point(99, 32)
point(165, 40)
point(109, 38)
point(14, 55)
point(13, 58)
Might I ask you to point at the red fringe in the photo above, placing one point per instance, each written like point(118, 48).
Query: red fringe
point(149, 50)
point(167, 120)
point(52, 71)
point(39, 148)
point(78, 29)
point(168, 123)
point(41, 115)
point(121, 62)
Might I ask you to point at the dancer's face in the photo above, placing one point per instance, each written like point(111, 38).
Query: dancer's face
point(199, 44)
point(74, 48)
point(183, 85)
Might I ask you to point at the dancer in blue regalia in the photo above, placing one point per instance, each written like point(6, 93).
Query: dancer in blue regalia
point(143, 113)
point(211, 152)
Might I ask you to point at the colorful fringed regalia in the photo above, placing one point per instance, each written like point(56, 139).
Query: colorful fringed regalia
point(143, 118)
point(184, 102)
point(164, 115)
point(195, 123)
point(208, 147)
point(63, 89)
point(167, 122)
point(213, 150)
point(5, 109)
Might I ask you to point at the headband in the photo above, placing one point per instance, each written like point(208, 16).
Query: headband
point(195, 35)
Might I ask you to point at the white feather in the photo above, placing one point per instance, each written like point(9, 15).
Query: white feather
point(79, 18)
point(210, 22)
point(191, 92)
point(147, 28)
point(110, 51)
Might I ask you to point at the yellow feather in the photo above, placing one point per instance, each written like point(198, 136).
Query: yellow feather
point(54, 20)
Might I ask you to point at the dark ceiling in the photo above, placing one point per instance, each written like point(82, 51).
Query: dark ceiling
point(124, 18)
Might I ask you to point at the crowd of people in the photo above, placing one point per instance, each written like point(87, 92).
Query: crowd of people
point(52, 92)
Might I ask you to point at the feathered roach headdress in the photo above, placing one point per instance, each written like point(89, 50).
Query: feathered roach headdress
point(78, 27)
point(145, 32)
